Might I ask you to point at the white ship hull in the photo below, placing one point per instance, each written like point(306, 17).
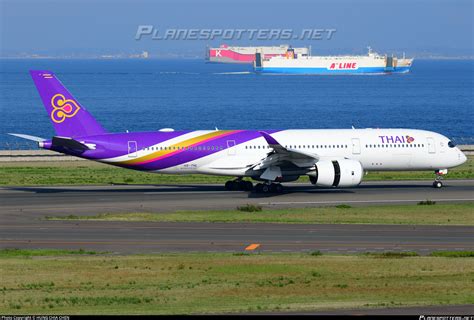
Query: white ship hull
point(369, 64)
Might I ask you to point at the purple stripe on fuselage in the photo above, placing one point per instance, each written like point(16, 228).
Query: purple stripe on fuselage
point(116, 144)
point(190, 155)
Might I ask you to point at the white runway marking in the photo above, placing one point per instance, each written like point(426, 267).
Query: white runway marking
point(184, 192)
point(359, 201)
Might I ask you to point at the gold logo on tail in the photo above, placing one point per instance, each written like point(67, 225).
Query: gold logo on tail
point(63, 108)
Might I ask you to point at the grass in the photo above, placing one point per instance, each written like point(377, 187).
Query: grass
point(453, 254)
point(88, 172)
point(391, 254)
point(43, 252)
point(427, 203)
point(219, 283)
point(440, 214)
point(250, 208)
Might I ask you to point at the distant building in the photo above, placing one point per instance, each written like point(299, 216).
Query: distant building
point(143, 55)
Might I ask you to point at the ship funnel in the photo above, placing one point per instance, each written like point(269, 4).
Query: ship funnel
point(258, 60)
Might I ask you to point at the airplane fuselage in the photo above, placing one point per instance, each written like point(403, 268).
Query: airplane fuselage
point(233, 152)
point(329, 157)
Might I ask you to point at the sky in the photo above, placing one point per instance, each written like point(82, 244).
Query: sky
point(81, 27)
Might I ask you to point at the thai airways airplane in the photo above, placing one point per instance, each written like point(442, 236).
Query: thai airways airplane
point(331, 158)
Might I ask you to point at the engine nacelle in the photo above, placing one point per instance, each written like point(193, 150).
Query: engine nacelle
point(337, 173)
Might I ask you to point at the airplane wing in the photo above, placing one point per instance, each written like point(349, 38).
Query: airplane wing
point(281, 155)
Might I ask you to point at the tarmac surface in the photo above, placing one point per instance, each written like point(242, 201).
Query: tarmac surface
point(22, 210)
point(426, 311)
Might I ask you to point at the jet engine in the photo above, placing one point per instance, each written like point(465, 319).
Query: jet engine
point(337, 173)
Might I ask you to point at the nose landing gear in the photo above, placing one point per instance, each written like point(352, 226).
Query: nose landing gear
point(438, 184)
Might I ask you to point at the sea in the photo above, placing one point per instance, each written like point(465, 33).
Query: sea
point(150, 94)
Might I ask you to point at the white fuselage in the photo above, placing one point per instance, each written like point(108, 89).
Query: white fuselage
point(375, 149)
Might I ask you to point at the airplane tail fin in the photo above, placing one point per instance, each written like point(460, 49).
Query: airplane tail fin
point(69, 117)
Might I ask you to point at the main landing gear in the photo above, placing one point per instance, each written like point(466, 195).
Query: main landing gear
point(438, 184)
point(242, 185)
point(269, 188)
point(239, 184)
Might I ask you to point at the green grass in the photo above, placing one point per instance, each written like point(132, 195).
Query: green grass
point(391, 255)
point(42, 252)
point(250, 208)
point(219, 283)
point(453, 254)
point(88, 172)
point(440, 214)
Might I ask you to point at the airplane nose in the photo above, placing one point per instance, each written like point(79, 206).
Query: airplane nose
point(462, 157)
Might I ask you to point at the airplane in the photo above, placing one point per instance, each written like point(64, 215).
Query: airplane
point(330, 157)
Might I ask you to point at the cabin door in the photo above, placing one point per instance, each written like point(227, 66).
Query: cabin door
point(355, 146)
point(231, 150)
point(431, 145)
point(132, 149)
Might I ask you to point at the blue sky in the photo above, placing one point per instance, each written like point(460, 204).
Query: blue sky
point(83, 27)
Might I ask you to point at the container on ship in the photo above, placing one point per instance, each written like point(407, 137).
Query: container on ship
point(230, 54)
point(294, 63)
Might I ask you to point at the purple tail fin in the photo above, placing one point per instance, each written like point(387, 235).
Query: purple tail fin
point(69, 118)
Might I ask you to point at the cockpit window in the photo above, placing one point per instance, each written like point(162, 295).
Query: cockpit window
point(451, 144)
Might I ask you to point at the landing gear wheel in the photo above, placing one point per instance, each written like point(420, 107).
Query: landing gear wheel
point(268, 188)
point(233, 185)
point(278, 188)
point(239, 184)
point(248, 186)
point(437, 184)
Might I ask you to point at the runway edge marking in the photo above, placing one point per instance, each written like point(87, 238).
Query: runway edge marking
point(358, 201)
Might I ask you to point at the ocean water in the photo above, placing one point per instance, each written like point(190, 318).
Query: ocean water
point(146, 95)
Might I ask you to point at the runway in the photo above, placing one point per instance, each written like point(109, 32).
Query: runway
point(22, 209)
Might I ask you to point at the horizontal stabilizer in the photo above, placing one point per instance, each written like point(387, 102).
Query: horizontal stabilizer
point(27, 137)
point(69, 143)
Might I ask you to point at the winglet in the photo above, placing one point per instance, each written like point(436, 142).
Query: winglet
point(270, 140)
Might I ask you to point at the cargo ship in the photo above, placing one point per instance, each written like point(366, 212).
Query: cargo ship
point(230, 54)
point(294, 63)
